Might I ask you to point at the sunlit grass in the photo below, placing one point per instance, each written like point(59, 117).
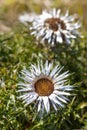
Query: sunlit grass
point(18, 49)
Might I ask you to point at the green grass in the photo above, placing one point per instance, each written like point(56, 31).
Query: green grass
point(18, 50)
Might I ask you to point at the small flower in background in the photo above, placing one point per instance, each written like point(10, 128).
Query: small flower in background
point(45, 85)
point(55, 28)
point(27, 18)
point(2, 83)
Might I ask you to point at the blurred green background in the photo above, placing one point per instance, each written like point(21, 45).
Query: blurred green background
point(18, 49)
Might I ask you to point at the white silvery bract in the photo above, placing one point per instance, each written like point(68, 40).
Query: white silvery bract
point(45, 85)
point(27, 18)
point(55, 28)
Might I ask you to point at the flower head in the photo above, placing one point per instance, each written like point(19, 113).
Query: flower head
point(27, 18)
point(55, 28)
point(46, 86)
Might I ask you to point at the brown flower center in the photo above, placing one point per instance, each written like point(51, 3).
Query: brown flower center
point(54, 23)
point(44, 87)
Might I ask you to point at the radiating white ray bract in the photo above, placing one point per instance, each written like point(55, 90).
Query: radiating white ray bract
point(55, 28)
point(57, 98)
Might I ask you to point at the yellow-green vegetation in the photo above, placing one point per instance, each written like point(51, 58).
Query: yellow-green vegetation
point(18, 49)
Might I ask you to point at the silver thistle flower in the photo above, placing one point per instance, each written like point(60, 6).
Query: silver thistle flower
point(55, 28)
point(27, 18)
point(46, 86)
